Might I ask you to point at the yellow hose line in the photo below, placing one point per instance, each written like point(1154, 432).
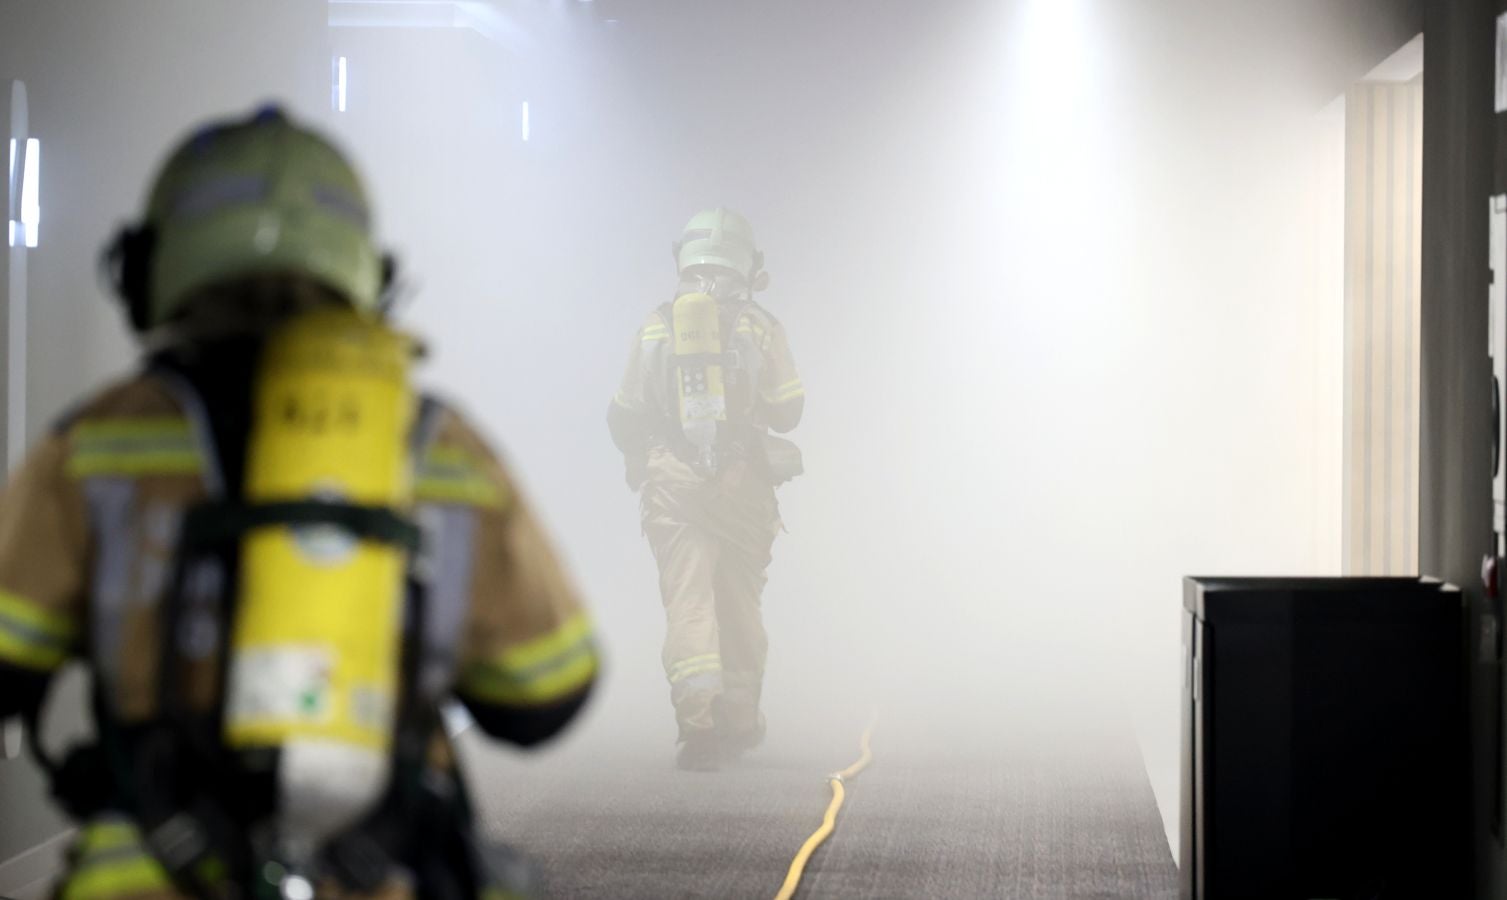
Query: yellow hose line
point(866, 757)
point(829, 821)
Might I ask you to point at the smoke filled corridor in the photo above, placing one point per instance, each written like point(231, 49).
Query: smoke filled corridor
point(819, 409)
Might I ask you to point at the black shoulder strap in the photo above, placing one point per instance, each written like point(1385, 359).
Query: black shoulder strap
point(426, 427)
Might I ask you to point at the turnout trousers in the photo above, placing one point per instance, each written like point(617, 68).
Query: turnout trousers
point(711, 536)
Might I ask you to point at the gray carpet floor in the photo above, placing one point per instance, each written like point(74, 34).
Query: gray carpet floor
point(1052, 815)
point(1018, 828)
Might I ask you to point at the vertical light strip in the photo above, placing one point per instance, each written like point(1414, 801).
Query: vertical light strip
point(10, 187)
point(340, 83)
point(525, 120)
point(31, 206)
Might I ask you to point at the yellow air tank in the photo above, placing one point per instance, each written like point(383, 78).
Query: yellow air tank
point(316, 636)
point(698, 353)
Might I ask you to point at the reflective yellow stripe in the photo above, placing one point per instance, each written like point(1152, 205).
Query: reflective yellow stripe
point(55, 626)
point(542, 650)
point(490, 684)
point(29, 656)
point(142, 428)
point(690, 673)
point(134, 447)
point(695, 661)
point(33, 637)
point(747, 327)
point(118, 878)
point(787, 391)
point(451, 475)
point(537, 672)
point(694, 665)
point(464, 493)
point(108, 835)
point(683, 674)
point(113, 863)
point(653, 333)
point(90, 465)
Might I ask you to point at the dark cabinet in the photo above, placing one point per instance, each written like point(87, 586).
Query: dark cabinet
point(1324, 750)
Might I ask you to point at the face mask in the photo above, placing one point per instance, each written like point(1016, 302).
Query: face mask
point(722, 285)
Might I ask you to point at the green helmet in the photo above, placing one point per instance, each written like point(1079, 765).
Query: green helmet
point(719, 237)
point(259, 196)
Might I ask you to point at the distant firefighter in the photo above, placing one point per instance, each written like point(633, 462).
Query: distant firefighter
point(710, 374)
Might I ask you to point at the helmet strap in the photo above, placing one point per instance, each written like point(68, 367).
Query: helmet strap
point(128, 265)
point(392, 290)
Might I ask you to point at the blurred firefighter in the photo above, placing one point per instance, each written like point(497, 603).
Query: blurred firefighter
point(710, 374)
point(277, 560)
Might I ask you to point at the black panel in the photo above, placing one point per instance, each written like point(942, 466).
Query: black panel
point(1324, 742)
